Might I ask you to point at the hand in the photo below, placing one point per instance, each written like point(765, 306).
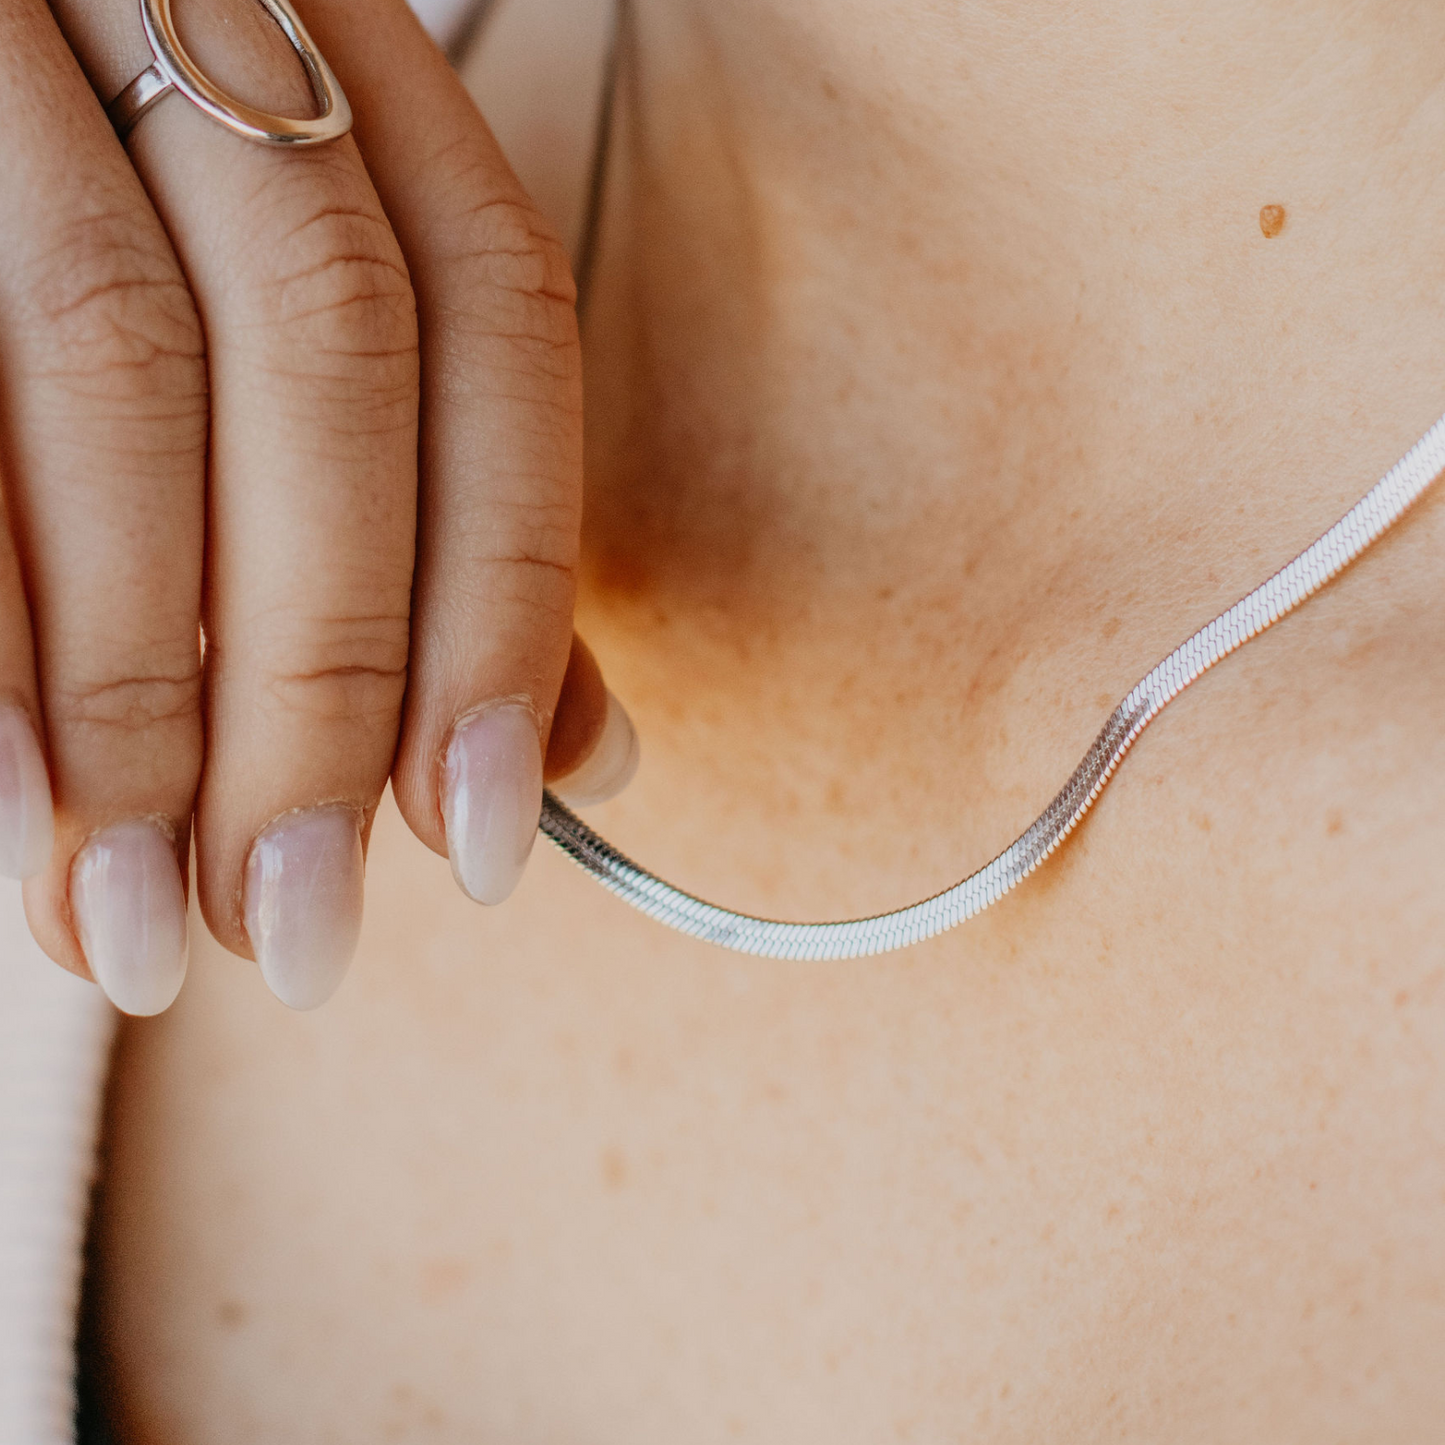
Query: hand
point(221, 363)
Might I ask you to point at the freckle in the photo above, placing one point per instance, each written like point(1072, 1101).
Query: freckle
point(1334, 822)
point(830, 90)
point(1111, 628)
point(614, 1168)
point(442, 1278)
point(231, 1314)
point(1271, 221)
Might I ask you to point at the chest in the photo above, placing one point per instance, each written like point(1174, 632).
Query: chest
point(1150, 1145)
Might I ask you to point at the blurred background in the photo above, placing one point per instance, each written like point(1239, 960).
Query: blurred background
point(536, 69)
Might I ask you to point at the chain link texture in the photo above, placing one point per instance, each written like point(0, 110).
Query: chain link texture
point(1362, 525)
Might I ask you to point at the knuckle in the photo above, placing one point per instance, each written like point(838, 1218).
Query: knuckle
point(521, 543)
point(536, 584)
point(535, 534)
point(112, 314)
point(510, 247)
point(518, 581)
point(337, 295)
point(509, 287)
point(131, 701)
point(350, 669)
point(344, 287)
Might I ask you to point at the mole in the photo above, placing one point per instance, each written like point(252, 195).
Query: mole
point(1271, 221)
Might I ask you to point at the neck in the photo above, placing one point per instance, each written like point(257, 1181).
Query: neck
point(1173, 117)
point(1172, 232)
point(939, 331)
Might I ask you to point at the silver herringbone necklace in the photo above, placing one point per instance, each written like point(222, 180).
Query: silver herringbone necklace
point(1380, 508)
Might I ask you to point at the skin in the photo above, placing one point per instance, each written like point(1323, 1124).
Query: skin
point(941, 378)
point(322, 404)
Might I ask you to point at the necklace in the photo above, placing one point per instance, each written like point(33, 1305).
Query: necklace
point(1373, 515)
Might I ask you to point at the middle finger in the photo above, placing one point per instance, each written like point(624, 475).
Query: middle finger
point(311, 334)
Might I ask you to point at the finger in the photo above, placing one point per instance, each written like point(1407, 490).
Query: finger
point(501, 452)
point(27, 816)
point(311, 325)
point(593, 751)
point(104, 425)
point(312, 536)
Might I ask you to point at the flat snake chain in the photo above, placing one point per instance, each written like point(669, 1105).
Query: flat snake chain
point(1380, 508)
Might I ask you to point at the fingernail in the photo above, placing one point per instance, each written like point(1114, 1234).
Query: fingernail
point(492, 799)
point(302, 903)
point(609, 767)
point(129, 906)
point(27, 819)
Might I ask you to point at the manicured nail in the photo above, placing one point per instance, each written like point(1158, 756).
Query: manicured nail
point(129, 906)
point(302, 903)
point(27, 819)
point(609, 767)
point(492, 799)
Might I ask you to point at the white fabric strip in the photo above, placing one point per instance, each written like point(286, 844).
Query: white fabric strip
point(446, 18)
point(54, 1044)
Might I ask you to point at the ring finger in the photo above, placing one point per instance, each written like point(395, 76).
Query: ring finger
point(104, 423)
point(311, 333)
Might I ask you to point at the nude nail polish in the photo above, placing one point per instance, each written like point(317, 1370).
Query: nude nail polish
point(302, 903)
point(129, 906)
point(27, 818)
point(492, 799)
point(609, 767)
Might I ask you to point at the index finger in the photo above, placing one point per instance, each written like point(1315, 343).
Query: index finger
point(501, 458)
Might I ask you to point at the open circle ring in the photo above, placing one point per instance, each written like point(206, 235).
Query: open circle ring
point(174, 69)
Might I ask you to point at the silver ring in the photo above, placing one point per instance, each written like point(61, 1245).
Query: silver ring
point(175, 70)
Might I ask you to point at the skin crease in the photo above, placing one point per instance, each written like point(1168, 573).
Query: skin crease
point(940, 379)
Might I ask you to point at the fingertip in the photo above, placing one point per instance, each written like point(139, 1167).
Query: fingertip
point(27, 814)
point(129, 905)
point(580, 714)
point(302, 903)
point(609, 767)
point(492, 799)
